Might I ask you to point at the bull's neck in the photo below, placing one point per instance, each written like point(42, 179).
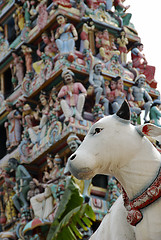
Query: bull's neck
point(140, 171)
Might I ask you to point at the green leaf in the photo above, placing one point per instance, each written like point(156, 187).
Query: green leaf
point(71, 215)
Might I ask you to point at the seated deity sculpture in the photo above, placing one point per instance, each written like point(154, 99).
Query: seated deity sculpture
point(72, 96)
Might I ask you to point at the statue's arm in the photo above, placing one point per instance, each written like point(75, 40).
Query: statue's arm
point(25, 173)
point(147, 96)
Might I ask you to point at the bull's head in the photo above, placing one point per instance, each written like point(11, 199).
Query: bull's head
point(109, 145)
point(88, 159)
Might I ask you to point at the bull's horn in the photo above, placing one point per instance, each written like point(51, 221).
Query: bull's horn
point(124, 111)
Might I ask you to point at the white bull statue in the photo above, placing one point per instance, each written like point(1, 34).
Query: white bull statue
point(115, 147)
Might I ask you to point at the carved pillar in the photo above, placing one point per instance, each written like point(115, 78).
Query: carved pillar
point(92, 41)
point(2, 83)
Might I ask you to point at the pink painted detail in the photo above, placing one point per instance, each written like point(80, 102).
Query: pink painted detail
point(150, 195)
point(146, 129)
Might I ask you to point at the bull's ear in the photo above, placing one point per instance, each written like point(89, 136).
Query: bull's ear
point(149, 129)
point(124, 111)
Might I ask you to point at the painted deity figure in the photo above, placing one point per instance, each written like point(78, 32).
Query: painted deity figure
point(37, 133)
point(97, 81)
point(72, 96)
point(22, 184)
point(123, 41)
point(106, 47)
point(120, 10)
point(34, 190)
point(139, 62)
point(43, 203)
point(141, 97)
point(88, 27)
point(74, 142)
point(13, 126)
point(19, 19)
point(42, 15)
point(28, 58)
point(155, 112)
point(66, 35)
point(26, 9)
point(10, 210)
point(54, 105)
point(30, 120)
point(17, 69)
point(4, 44)
point(46, 56)
point(118, 94)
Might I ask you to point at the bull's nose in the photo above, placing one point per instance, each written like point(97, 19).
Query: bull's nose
point(72, 157)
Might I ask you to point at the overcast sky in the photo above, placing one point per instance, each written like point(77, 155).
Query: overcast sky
point(146, 17)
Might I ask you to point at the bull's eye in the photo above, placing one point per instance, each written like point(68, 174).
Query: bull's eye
point(97, 130)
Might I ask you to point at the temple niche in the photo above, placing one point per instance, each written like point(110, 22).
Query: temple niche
point(63, 66)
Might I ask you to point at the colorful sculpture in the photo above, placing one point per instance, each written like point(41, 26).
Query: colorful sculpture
point(140, 96)
point(139, 61)
point(73, 142)
point(123, 41)
point(73, 103)
point(65, 36)
point(19, 19)
point(46, 56)
point(17, 69)
point(22, 185)
point(43, 15)
point(26, 8)
point(28, 58)
point(38, 132)
point(93, 4)
point(64, 3)
point(155, 113)
point(4, 44)
point(97, 81)
point(84, 40)
point(120, 10)
point(13, 126)
point(43, 204)
point(87, 29)
point(106, 47)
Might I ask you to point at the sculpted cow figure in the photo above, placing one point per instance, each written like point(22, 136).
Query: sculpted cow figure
point(115, 147)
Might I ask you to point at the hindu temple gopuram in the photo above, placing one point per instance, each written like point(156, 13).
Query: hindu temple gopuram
point(64, 64)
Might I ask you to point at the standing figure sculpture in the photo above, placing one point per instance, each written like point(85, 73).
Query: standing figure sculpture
point(73, 103)
point(26, 8)
point(19, 19)
point(123, 41)
point(87, 29)
point(22, 184)
point(139, 62)
point(13, 126)
point(65, 36)
point(17, 69)
point(141, 97)
point(97, 81)
point(28, 58)
point(155, 112)
point(4, 44)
